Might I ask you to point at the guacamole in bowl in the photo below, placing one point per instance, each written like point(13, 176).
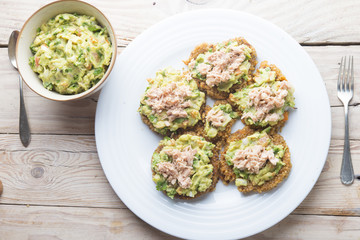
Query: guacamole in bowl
point(71, 53)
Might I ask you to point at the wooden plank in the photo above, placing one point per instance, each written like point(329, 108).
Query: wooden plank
point(49, 117)
point(331, 21)
point(40, 223)
point(327, 59)
point(54, 170)
point(64, 143)
point(313, 227)
point(67, 169)
point(338, 122)
point(330, 196)
point(37, 222)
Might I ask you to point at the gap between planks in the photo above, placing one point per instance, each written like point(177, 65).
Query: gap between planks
point(325, 44)
point(71, 206)
point(124, 207)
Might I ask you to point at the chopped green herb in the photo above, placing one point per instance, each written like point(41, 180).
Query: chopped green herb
point(98, 71)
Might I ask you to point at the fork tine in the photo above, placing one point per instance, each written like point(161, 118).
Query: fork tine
point(343, 77)
point(339, 76)
point(348, 76)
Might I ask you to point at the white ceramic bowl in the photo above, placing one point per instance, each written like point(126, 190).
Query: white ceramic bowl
point(27, 36)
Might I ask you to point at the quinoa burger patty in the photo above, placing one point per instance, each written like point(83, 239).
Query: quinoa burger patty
point(186, 166)
point(218, 121)
point(267, 101)
point(172, 101)
point(254, 160)
point(223, 67)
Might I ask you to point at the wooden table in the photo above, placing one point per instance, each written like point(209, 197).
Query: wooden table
point(56, 188)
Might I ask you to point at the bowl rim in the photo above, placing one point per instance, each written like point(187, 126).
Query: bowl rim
point(92, 89)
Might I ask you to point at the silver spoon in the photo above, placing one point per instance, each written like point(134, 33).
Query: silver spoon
point(24, 129)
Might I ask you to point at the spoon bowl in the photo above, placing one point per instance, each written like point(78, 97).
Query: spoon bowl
point(12, 48)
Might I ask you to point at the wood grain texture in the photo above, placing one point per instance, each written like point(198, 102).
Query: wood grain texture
point(296, 227)
point(37, 223)
point(322, 21)
point(54, 170)
point(327, 59)
point(40, 223)
point(67, 169)
point(330, 196)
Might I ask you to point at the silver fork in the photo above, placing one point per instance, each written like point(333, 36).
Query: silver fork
point(345, 89)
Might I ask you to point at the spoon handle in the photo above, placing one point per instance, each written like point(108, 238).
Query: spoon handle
point(24, 128)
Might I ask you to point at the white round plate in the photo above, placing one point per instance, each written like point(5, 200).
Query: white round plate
point(125, 144)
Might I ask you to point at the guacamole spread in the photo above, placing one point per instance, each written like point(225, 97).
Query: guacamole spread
point(71, 53)
point(218, 118)
point(171, 101)
point(182, 166)
point(255, 159)
point(223, 65)
point(264, 102)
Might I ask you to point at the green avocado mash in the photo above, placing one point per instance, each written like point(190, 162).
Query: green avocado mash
point(161, 121)
point(227, 112)
point(241, 73)
point(268, 171)
point(202, 169)
point(266, 78)
point(71, 53)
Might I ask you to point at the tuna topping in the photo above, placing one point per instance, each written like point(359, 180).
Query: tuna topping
point(253, 158)
point(264, 99)
point(171, 99)
point(267, 101)
point(221, 64)
point(183, 166)
point(216, 117)
point(180, 168)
